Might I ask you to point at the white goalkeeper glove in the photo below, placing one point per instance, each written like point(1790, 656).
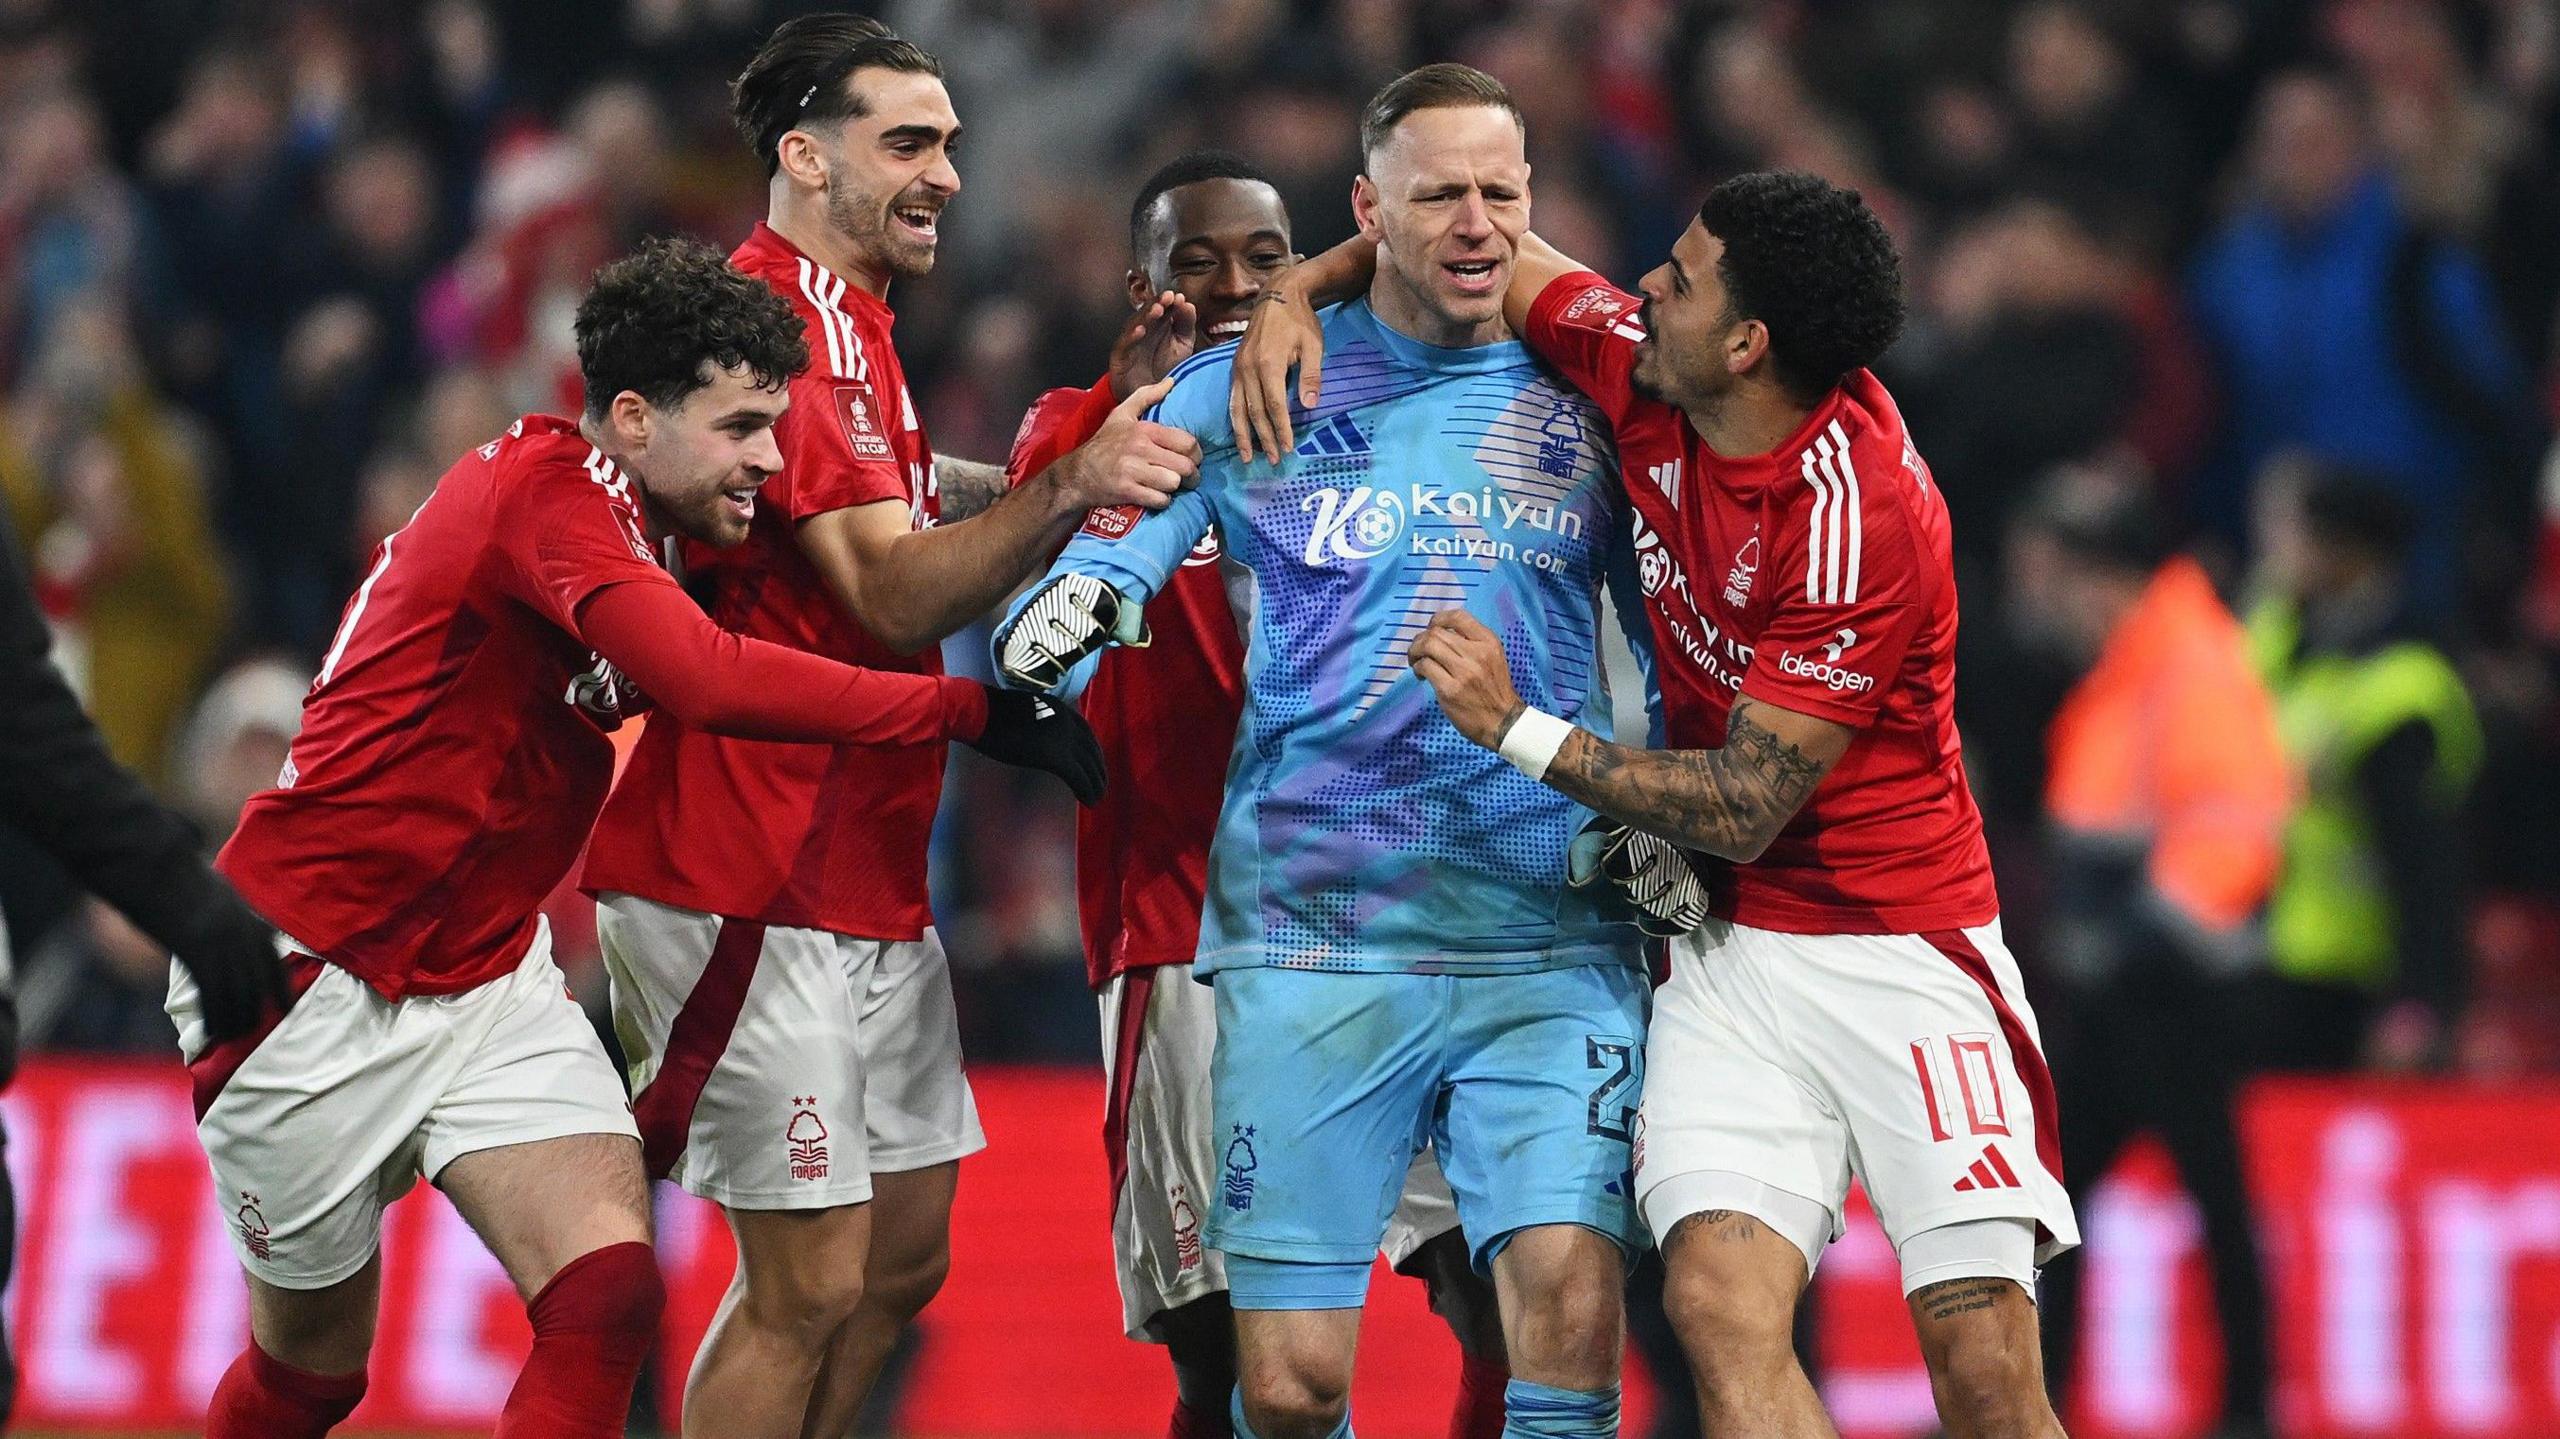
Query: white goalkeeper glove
point(1648, 872)
point(1065, 620)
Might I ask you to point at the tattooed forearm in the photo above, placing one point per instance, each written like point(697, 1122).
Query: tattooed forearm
point(1942, 1302)
point(1729, 802)
point(966, 486)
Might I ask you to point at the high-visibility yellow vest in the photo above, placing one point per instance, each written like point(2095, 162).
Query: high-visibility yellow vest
point(2331, 919)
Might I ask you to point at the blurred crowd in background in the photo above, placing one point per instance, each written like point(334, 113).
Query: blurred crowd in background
point(2270, 284)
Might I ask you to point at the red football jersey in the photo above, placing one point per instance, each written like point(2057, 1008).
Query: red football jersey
point(807, 835)
point(1166, 716)
point(453, 751)
point(1816, 578)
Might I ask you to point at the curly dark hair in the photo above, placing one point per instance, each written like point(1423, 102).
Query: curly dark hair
point(1809, 260)
point(798, 77)
point(659, 320)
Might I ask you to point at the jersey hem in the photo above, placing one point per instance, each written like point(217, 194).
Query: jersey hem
point(1784, 917)
point(1098, 980)
point(1444, 965)
point(595, 885)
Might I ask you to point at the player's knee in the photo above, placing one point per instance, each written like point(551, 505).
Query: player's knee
point(1570, 1328)
point(906, 1287)
point(1284, 1403)
point(615, 1292)
point(1733, 1332)
point(1988, 1383)
point(809, 1303)
point(317, 1347)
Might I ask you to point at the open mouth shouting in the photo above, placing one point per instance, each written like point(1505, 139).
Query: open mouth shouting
point(741, 501)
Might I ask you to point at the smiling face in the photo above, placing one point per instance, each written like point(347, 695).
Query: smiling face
point(1446, 200)
point(1216, 243)
point(700, 461)
point(1694, 347)
point(887, 172)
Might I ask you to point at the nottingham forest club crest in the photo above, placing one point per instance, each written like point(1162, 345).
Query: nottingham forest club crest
point(807, 1137)
point(1241, 1162)
point(1746, 564)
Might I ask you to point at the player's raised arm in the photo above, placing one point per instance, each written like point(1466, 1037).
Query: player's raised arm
point(1284, 336)
point(911, 588)
point(1535, 266)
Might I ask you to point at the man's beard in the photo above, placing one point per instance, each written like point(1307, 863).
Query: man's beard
point(1650, 386)
point(866, 225)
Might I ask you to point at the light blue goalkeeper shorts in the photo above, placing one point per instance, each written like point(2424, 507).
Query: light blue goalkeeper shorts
point(1325, 1084)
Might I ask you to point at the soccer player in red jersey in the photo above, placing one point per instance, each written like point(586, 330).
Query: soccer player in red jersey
point(785, 1004)
point(1207, 233)
point(453, 755)
point(1848, 1009)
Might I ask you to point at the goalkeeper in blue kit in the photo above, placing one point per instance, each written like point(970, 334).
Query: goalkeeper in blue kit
point(1396, 954)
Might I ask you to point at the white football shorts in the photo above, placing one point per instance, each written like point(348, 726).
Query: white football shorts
point(1159, 1028)
point(779, 1068)
point(352, 1097)
point(1796, 1062)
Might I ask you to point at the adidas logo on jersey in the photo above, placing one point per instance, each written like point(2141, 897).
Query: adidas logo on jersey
point(1991, 1171)
point(1666, 478)
point(1337, 436)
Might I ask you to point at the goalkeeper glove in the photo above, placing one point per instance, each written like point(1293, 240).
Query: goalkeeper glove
point(1065, 620)
point(1037, 732)
point(1649, 872)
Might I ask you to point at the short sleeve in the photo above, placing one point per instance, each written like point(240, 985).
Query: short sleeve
point(836, 450)
point(570, 536)
point(1852, 592)
point(1587, 329)
point(1057, 423)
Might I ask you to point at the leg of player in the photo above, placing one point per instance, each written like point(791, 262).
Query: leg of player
point(1465, 1300)
point(1293, 1366)
point(569, 1219)
point(910, 1256)
point(304, 1368)
point(1200, 1339)
point(1731, 1286)
point(798, 1280)
point(1563, 1322)
point(1978, 1337)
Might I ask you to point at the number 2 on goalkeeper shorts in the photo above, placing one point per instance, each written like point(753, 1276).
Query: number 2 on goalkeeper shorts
point(1612, 1100)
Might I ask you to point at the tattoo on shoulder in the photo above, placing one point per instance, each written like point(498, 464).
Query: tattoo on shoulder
point(1953, 1297)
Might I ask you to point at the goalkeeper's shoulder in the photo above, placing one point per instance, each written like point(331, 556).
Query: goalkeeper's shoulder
point(1198, 402)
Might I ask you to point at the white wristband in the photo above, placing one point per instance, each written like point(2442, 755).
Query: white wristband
point(1530, 744)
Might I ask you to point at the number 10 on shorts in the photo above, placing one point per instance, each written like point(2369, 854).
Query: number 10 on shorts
point(1959, 1070)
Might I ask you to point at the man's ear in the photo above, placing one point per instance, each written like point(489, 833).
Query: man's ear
point(796, 155)
point(1142, 291)
point(632, 419)
point(1745, 346)
point(1364, 207)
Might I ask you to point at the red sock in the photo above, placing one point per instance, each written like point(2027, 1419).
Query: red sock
point(1190, 1423)
point(262, 1397)
point(593, 1325)
point(1478, 1412)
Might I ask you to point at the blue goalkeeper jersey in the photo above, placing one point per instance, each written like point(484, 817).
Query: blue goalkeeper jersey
point(1360, 830)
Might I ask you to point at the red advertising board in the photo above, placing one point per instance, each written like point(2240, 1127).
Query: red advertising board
point(2414, 1234)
